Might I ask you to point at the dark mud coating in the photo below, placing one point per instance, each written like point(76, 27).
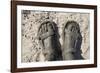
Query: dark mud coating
point(49, 41)
point(72, 41)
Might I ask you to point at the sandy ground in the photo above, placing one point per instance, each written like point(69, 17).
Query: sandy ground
point(31, 20)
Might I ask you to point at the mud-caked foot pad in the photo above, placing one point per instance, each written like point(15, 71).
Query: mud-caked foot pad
point(72, 40)
point(47, 36)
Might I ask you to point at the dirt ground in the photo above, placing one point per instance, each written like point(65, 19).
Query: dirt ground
point(31, 20)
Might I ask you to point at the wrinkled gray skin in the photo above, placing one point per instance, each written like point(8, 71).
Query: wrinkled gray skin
point(49, 43)
point(72, 40)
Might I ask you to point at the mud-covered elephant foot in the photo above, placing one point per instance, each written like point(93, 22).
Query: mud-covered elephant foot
point(48, 41)
point(72, 40)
